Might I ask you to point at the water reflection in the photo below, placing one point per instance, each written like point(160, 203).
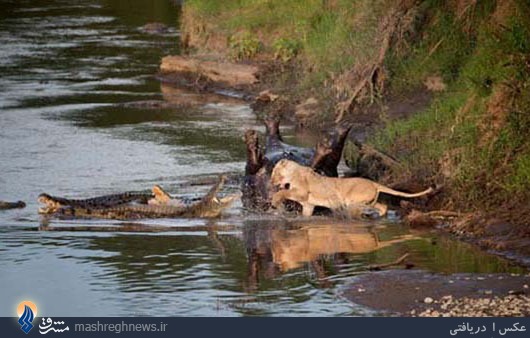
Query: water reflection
point(262, 254)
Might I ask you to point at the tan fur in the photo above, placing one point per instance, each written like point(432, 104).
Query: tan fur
point(303, 185)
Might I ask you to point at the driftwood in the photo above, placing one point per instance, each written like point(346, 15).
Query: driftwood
point(228, 73)
point(418, 218)
point(398, 261)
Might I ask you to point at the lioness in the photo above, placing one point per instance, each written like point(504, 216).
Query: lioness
point(303, 185)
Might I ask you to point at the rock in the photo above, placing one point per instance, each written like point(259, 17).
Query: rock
point(306, 110)
point(12, 205)
point(228, 73)
point(435, 84)
point(155, 28)
point(513, 305)
point(418, 219)
point(267, 96)
point(428, 300)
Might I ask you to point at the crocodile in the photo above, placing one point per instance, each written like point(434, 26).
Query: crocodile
point(209, 206)
point(323, 158)
point(54, 203)
point(11, 205)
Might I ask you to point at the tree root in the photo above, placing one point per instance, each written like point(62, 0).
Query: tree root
point(390, 27)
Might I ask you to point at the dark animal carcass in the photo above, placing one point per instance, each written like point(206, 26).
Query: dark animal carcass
point(323, 158)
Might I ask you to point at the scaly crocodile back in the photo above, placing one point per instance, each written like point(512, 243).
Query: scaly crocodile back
point(105, 201)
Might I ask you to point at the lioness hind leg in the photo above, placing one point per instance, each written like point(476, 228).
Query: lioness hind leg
point(382, 208)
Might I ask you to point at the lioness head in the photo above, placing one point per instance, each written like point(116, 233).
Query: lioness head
point(283, 172)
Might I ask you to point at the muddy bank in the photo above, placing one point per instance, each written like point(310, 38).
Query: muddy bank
point(415, 292)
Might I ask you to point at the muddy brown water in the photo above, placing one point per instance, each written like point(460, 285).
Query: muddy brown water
point(66, 69)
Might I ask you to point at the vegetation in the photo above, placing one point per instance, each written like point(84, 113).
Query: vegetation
point(243, 46)
point(474, 134)
point(322, 29)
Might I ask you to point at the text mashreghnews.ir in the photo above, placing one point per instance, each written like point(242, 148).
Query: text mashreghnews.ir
point(120, 327)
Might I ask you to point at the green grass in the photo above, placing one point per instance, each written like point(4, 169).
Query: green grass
point(327, 36)
point(491, 168)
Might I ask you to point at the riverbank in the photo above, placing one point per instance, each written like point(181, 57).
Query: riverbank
point(424, 294)
point(441, 86)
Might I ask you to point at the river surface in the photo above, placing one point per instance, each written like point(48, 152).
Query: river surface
point(66, 69)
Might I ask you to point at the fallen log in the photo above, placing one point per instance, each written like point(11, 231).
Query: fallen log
point(228, 73)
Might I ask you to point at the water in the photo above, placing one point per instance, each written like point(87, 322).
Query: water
point(66, 68)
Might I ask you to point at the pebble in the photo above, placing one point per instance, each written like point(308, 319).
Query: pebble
point(512, 306)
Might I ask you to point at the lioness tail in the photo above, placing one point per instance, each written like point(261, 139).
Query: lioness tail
point(393, 192)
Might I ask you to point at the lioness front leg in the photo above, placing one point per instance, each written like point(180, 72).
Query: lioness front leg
point(278, 198)
point(307, 209)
